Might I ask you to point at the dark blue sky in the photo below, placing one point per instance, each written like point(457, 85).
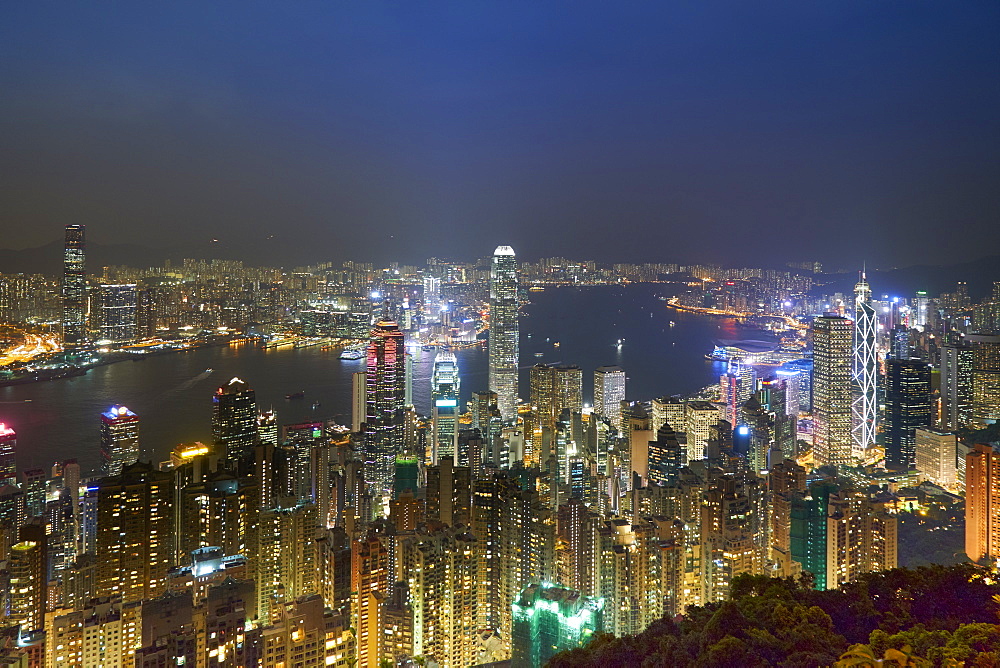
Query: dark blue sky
point(737, 131)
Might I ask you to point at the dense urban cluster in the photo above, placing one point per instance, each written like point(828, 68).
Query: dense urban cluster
point(500, 527)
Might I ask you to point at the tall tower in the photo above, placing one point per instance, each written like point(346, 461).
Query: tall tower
point(832, 338)
point(384, 399)
point(234, 420)
point(503, 351)
point(74, 288)
point(864, 370)
point(609, 393)
point(907, 406)
point(8, 455)
point(982, 512)
point(119, 439)
point(445, 395)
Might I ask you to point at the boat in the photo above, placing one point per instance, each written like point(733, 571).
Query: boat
point(539, 354)
point(672, 323)
point(295, 395)
point(555, 345)
point(427, 348)
point(209, 370)
point(536, 288)
point(316, 405)
point(351, 354)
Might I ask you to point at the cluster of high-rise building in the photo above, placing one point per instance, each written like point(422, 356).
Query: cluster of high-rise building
point(505, 525)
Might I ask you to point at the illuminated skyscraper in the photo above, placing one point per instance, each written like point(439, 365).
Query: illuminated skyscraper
point(135, 532)
point(119, 439)
point(503, 342)
point(234, 420)
point(74, 288)
point(609, 393)
point(956, 385)
point(907, 406)
point(864, 372)
point(444, 396)
point(982, 512)
point(385, 398)
point(832, 338)
point(8, 455)
point(985, 377)
point(118, 314)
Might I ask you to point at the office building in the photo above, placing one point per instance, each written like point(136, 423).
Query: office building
point(119, 439)
point(985, 377)
point(444, 406)
point(385, 397)
point(8, 455)
point(832, 398)
point(936, 455)
point(907, 406)
point(234, 420)
point(504, 342)
point(359, 399)
point(864, 373)
point(956, 385)
point(74, 288)
point(609, 393)
point(117, 314)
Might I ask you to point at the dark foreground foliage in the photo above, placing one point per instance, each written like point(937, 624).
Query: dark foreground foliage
point(934, 616)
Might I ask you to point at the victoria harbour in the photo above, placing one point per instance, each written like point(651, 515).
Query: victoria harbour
point(60, 419)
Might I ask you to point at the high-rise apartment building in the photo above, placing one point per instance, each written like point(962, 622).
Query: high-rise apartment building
point(119, 439)
point(74, 288)
point(135, 532)
point(609, 393)
point(937, 453)
point(907, 407)
point(982, 509)
point(385, 399)
point(444, 405)
point(234, 420)
point(117, 314)
point(504, 342)
point(864, 372)
point(832, 341)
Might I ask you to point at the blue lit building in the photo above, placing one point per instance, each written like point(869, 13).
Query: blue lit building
point(549, 619)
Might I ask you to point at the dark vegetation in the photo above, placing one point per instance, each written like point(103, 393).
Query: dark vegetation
point(930, 616)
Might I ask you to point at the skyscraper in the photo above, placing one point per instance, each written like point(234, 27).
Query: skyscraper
point(503, 342)
point(550, 619)
point(609, 393)
point(982, 512)
point(832, 338)
point(444, 396)
point(119, 439)
point(956, 385)
point(234, 420)
point(907, 406)
point(8, 455)
point(864, 372)
point(74, 288)
point(385, 398)
point(135, 532)
point(118, 313)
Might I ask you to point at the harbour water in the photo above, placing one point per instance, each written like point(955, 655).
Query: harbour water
point(60, 419)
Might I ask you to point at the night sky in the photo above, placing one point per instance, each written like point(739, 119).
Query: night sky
point(737, 132)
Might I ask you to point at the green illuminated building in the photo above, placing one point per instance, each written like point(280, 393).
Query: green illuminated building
point(549, 619)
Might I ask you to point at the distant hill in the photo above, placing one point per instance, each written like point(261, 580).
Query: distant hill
point(906, 281)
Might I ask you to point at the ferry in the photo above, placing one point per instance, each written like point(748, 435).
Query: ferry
point(350, 354)
point(536, 288)
point(295, 395)
point(427, 348)
point(539, 354)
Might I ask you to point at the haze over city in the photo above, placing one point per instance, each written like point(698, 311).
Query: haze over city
point(705, 132)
